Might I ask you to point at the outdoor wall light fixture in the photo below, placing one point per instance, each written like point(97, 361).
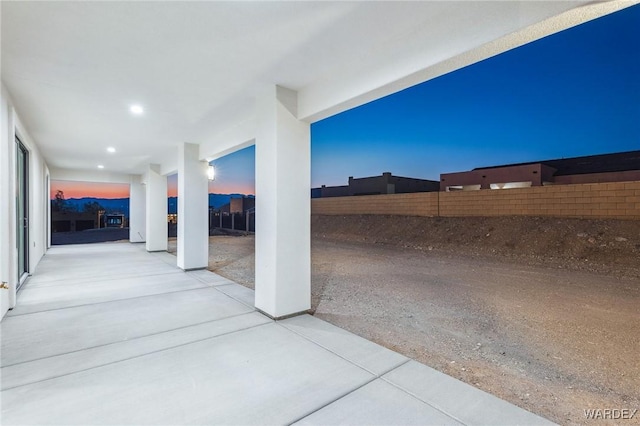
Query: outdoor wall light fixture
point(136, 109)
point(211, 172)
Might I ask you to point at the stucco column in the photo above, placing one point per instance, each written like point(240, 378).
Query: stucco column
point(193, 209)
point(137, 210)
point(283, 207)
point(156, 228)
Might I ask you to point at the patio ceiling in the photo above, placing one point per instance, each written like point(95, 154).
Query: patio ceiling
point(74, 68)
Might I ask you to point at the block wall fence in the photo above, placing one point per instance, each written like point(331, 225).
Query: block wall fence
point(619, 200)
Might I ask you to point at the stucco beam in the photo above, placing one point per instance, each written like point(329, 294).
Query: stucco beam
point(370, 80)
point(235, 137)
point(88, 176)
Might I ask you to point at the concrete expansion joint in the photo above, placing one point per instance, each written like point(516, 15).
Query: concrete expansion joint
point(107, 301)
point(376, 375)
point(413, 395)
point(136, 356)
point(334, 400)
point(393, 368)
point(217, 288)
point(144, 336)
point(218, 283)
point(56, 283)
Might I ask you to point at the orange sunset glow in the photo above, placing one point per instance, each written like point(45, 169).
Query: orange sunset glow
point(121, 190)
point(232, 188)
point(218, 186)
point(89, 189)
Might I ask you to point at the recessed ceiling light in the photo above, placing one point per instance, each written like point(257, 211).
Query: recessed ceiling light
point(136, 109)
point(111, 149)
point(100, 166)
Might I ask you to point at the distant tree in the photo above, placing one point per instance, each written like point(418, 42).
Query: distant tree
point(59, 204)
point(92, 207)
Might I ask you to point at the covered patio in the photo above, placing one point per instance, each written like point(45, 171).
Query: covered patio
point(131, 92)
point(111, 334)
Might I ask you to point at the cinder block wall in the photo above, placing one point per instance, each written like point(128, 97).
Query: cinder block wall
point(414, 204)
point(620, 200)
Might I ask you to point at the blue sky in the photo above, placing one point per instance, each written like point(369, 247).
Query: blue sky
point(235, 173)
point(570, 94)
point(573, 93)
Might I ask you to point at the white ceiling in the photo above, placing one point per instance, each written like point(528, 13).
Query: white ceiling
point(73, 68)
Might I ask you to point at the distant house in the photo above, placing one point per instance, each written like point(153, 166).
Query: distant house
point(238, 205)
point(116, 220)
point(81, 221)
point(73, 221)
point(616, 167)
point(385, 184)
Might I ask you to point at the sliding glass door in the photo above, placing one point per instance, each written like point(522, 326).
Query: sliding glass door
point(22, 210)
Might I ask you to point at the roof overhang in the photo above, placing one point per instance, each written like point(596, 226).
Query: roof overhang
point(73, 68)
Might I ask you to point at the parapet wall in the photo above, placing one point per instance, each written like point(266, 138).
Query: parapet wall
point(619, 200)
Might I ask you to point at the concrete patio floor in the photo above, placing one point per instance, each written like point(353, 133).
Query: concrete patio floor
point(110, 334)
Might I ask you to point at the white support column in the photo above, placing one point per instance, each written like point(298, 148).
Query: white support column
point(283, 206)
point(156, 210)
point(193, 209)
point(137, 210)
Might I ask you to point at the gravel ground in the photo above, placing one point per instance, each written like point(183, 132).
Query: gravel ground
point(553, 341)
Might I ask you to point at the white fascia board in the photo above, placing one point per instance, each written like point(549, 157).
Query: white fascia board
point(233, 138)
point(356, 87)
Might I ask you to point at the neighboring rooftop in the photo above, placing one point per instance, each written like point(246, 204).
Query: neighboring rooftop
point(602, 163)
point(614, 167)
point(375, 185)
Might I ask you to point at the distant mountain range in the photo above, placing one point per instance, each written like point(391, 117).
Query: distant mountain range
point(121, 205)
point(111, 205)
point(215, 201)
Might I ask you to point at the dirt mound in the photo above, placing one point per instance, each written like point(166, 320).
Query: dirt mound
point(602, 246)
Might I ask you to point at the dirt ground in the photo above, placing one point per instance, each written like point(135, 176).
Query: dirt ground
point(544, 313)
